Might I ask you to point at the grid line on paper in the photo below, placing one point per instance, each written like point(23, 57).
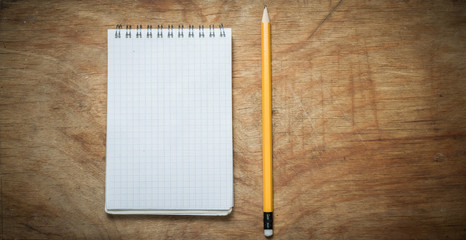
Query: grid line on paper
point(169, 123)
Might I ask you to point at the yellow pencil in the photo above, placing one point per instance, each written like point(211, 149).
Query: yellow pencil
point(267, 124)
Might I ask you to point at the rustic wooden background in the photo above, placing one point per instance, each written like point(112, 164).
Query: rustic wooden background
point(369, 119)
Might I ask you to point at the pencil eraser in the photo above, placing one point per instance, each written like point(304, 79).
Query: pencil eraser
point(268, 232)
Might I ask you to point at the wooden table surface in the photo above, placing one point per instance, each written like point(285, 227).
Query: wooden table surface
point(369, 119)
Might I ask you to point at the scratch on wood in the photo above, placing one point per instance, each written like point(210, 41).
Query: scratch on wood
point(305, 112)
point(298, 45)
point(352, 94)
point(323, 112)
point(435, 91)
point(288, 131)
point(302, 122)
point(372, 87)
point(325, 19)
point(32, 228)
point(301, 106)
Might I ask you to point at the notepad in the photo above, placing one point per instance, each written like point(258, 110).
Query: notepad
point(169, 121)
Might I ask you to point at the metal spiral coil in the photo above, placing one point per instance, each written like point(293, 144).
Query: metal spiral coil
point(149, 31)
point(118, 31)
point(138, 31)
point(170, 31)
point(128, 31)
point(201, 31)
point(191, 31)
point(180, 31)
point(159, 31)
point(211, 31)
point(222, 30)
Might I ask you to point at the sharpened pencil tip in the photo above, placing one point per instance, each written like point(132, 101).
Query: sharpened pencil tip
point(265, 15)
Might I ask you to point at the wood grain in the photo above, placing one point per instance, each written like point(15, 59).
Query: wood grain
point(369, 119)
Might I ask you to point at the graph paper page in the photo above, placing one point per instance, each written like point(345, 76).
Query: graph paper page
point(169, 121)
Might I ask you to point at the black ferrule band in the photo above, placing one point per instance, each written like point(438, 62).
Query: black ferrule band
point(268, 220)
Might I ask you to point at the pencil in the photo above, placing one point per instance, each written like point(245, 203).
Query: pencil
point(267, 124)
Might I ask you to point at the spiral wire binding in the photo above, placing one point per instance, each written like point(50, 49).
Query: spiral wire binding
point(201, 32)
point(211, 31)
point(138, 31)
point(128, 31)
point(170, 31)
point(159, 31)
point(118, 31)
point(149, 31)
point(180, 31)
point(191, 31)
point(222, 30)
point(119, 27)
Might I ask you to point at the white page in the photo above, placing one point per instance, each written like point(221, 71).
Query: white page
point(169, 122)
